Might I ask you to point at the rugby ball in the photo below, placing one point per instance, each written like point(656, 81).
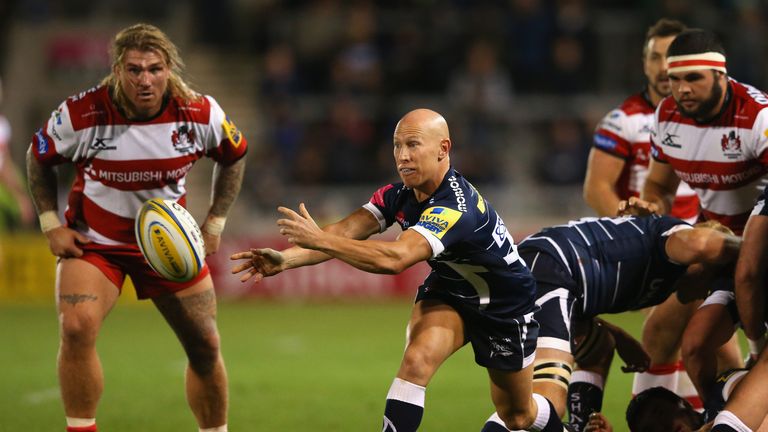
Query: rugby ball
point(170, 239)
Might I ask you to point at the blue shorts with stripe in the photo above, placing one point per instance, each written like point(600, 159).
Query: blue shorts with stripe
point(498, 341)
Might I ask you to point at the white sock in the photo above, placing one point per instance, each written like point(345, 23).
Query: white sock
point(589, 377)
point(80, 422)
point(494, 418)
point(222, 428)
point(726, 417)
point(542, 414)
point(408, 392)
point(657, 376)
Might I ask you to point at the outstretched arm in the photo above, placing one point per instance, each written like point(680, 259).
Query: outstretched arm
point(373, 256)
point(702, 245)
point(750, 278)
point(261, 263)
point(658, 192)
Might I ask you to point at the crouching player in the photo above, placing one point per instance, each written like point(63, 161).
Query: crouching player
point(595, 266)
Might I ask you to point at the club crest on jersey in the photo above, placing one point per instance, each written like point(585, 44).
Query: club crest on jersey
point(232, 132)
point(183, 139)
point(731, 145)
point(438, 220)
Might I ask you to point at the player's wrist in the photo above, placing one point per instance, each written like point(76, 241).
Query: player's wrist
point(756, 345)
point(214, 225)
point(49, 221)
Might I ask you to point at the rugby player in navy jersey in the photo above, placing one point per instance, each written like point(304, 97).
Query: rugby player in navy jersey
point(602, 265)
point(479, 290)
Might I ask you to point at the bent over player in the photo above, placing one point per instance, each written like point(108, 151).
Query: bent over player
point(603, 265)
point(132, 138)
point(479, 290)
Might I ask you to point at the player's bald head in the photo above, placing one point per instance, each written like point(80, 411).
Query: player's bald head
point(424, 121)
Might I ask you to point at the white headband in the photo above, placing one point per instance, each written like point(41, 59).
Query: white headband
point(689, 62)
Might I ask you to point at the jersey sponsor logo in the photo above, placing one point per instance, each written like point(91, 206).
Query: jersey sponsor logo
point(605, 124)
point(461, 201)
point(731, 145)
point(756, 94)
point(438, 220)
point(42, 142)
point(100, 143)
point(400, 218)
point(605, 142)
point(183, 139)
point(232, 132)
point(500, 232)
point(706, 178)
point(669, 140)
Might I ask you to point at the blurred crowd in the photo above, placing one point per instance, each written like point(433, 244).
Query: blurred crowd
point(522, 82)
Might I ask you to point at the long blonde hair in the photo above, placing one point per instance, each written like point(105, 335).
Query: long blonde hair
point(146, 37)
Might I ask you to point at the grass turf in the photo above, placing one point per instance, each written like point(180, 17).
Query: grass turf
point(322, 367)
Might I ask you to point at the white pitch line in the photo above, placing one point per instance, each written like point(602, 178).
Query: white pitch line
point(41, 396)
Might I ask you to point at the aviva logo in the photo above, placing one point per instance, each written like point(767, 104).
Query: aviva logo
point(439, 220)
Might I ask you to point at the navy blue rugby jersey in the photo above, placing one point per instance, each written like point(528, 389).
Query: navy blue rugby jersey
point(760, 208)
point(619, 264)
point(473, 255)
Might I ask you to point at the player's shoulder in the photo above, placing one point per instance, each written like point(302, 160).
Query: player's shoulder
point(197, 108)
point(388, 194)
point(748, 93)
point(92, 107)
point(636, 104)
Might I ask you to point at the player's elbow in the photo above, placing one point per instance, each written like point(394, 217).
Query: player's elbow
point(392, 266)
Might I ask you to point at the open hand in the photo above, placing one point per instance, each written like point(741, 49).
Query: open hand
point(299, 228)
point(260, 264)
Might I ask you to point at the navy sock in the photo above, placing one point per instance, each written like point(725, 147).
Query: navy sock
point(583, 399)
point(401, 416)
point(723, 428)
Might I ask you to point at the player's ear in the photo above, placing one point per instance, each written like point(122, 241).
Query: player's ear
point(445, 148)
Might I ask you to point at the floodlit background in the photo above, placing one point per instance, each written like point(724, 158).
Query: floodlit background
point(317, 87)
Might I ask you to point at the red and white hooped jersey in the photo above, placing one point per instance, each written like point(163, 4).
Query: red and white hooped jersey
point(724, 160)
point(5, 139)
point(625, 132)
point(122, 163)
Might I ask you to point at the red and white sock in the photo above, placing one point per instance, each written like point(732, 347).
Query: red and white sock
point(686, 390)
point(662, 375)
point(75, 424)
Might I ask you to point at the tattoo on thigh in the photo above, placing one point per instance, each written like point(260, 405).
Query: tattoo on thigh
point(74, 299)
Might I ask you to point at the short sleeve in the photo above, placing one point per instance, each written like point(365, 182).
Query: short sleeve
point(225, 144)
point(381, 205)
point(443, 227)
point(611, 134)
point(55, 142)
point(656, 152)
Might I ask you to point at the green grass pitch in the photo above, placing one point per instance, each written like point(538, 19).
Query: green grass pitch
point(318, 366)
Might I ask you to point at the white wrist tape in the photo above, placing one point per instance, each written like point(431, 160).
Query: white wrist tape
point(756, 346)
point(49, 220)
point(214, 225)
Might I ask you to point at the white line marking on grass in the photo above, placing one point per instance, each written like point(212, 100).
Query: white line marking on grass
point(41, 396)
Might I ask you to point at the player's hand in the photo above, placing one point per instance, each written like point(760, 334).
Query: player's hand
point(64, 241)
point(299, 228)
point(598, 423)
point(629, 349)
point(212, 242)
point(261, 263)
point(634, 206)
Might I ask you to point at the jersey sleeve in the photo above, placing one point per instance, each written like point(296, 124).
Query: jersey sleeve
point(382, 206)
point(611, 135)
point(443, 226)
point(56, 142)
point(225, 144)
point(760, 132)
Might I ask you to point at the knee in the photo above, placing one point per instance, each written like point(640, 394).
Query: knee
point(78, 330)
point(515, 419)
point(418, 366)
point(203, 353)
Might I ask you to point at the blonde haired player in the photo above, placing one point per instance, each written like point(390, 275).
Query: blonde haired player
point(133, 137)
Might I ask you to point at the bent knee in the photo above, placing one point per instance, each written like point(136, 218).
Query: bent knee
point(418, 366)
point(203, 353)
